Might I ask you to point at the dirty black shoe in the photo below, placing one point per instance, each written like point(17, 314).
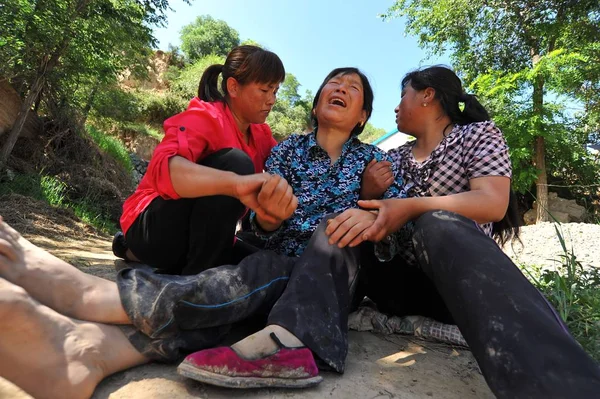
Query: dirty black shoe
point(119, 245)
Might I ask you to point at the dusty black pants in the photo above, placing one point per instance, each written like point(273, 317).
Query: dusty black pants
point(309, 295)
point(189, 235)
point(523, 348)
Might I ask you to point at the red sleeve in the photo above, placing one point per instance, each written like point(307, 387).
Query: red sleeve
point(190, 139)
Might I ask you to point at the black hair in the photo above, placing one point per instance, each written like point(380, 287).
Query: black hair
point(247, 64)
point(449, 91)
point(367, 95)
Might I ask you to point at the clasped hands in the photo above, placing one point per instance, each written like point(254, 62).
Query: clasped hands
point(374, 221)
point(273, 200)
point(270, 196)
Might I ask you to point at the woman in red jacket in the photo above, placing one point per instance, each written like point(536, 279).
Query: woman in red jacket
point(207, 170)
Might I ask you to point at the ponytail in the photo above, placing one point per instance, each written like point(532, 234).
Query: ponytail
point(208, 89)
point(472, 112)
point(508, 228)
point(246, 64)
point(449, 91)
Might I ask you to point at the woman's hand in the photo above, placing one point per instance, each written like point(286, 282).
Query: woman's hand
point(270, 196)
point(377, 177)
point(247, 189)
point(392, 214)
point(347, 228)
point(277, 198)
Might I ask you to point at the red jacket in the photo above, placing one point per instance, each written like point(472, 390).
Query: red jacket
point(199, 131)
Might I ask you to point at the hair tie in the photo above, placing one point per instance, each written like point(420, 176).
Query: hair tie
point(463, 100)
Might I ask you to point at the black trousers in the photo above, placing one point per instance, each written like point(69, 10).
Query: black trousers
point(189, 235)
point(309, 295)
point(522, 347)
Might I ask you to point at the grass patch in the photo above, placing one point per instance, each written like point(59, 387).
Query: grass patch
point(143, 129)
point(27, 185)
point(90, 214)
point(112, 146)
point(574, 291)
point(115, 127)
point(54, 192)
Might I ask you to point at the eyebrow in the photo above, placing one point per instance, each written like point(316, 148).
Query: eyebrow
point(356, 81)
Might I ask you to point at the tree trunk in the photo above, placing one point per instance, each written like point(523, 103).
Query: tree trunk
point(38, 101)
point(542, 181)
point(48, 63)
point(540, 147)
point(35, 90)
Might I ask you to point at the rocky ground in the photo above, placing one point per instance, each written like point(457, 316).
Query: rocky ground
point(540, 244)
point(379, 366)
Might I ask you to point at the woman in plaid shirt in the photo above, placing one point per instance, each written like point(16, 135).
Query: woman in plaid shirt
point(441, 259)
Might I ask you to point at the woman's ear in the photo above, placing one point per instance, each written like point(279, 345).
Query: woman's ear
point(363, 118)
point(428, 94)
point(232, 87)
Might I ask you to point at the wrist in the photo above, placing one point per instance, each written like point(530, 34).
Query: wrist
point(415, 207)
point(265, 226)
point(370, 193)
point(364, 195)
point(232, 182)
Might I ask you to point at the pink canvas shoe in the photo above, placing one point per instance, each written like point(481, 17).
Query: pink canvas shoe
point(286, 368)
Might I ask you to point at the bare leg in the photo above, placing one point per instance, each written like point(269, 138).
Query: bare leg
point(52, 356)
point(57, 284)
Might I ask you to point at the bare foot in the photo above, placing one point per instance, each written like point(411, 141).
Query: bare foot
point(51, 356)
point(57, 284)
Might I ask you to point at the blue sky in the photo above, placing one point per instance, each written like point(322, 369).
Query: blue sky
point(312, 37)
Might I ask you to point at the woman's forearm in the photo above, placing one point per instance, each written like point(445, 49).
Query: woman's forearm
point(191, 180)
point(478, 205)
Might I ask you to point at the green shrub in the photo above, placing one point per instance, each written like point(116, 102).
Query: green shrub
point(185, 84)
point(155, 107)
point(25, 184)
point(115, 103)
point(53, 190)
point(142, 128)
point(111, 146)
point(575, 293)
point(92, 215)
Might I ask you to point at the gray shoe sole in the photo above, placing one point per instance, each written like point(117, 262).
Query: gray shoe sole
point(188, 370)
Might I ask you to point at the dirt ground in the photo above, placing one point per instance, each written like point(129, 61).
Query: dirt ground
point(378, 366)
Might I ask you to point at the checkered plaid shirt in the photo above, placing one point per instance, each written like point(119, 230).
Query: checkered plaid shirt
point(468, 151)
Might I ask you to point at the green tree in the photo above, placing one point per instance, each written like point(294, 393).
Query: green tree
point(250, 42)
point(291, 112)
point(185, 84)
point(371, 133)
point(54, 48)
point(206, 36)
point(515, 52)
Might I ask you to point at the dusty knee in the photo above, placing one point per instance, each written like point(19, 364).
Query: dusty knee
point(440, 226)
